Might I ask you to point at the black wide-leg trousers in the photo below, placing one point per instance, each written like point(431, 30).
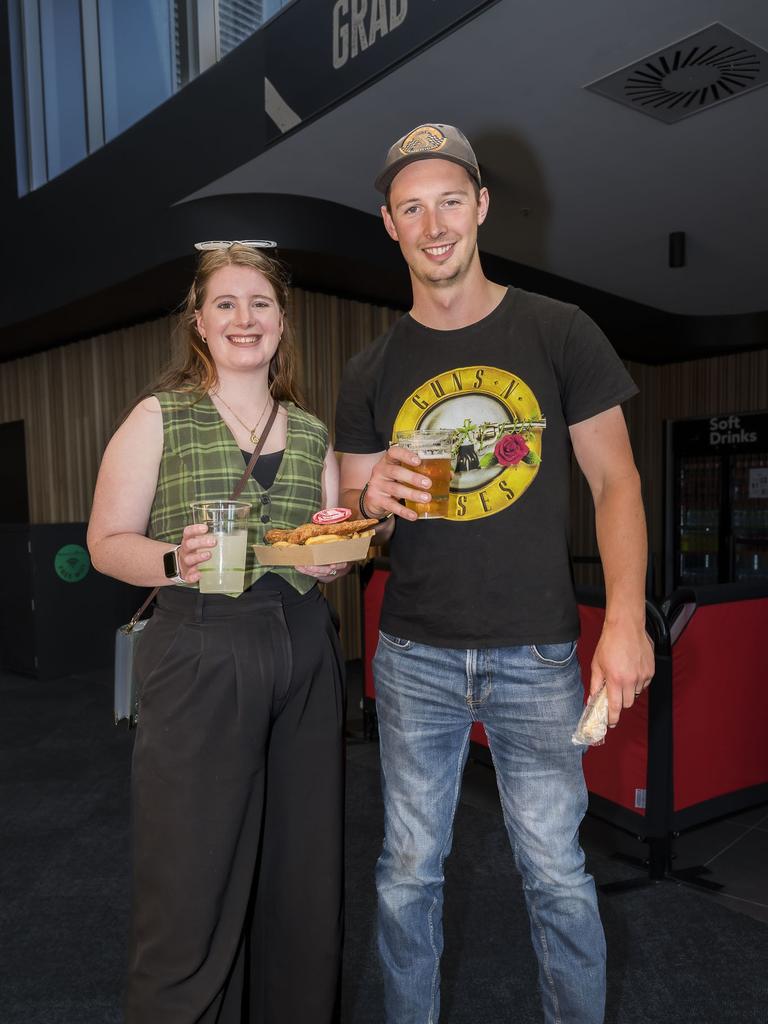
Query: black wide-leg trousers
point(237, 807)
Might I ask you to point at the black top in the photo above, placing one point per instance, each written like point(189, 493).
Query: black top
point(265, 470)
point(496, 571)
point(264, 473)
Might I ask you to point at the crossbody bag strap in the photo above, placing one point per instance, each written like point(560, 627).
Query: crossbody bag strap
point(235, 494)
point(137, 614)
point(256, 452)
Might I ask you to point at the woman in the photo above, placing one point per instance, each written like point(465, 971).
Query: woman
point(237, 768)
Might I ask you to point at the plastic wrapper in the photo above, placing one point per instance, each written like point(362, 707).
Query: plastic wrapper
point(593, 723)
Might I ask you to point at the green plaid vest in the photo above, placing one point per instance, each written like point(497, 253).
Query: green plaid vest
point(201, 460)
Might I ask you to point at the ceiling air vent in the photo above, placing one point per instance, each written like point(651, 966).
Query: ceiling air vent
point(689, 76)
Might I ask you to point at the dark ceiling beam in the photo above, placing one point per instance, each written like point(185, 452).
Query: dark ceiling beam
point(334, 249)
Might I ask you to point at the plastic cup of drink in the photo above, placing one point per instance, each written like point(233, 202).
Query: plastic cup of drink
point(435, 448)
point(227, 521)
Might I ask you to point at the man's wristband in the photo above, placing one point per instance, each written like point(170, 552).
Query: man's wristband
point(364, 511)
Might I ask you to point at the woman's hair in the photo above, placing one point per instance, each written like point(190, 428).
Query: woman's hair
point(192, 368)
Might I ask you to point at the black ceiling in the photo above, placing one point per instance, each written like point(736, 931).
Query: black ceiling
point(110, 242)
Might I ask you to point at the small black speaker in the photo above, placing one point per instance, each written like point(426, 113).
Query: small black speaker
point(677, 249)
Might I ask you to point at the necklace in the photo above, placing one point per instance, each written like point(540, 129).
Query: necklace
point(255, 438)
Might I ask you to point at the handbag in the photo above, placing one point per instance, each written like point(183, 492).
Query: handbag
point(127, 637)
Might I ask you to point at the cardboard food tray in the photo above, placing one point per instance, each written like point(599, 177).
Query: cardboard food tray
point(313, 554)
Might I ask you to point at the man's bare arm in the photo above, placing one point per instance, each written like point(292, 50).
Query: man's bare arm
point(624, 656)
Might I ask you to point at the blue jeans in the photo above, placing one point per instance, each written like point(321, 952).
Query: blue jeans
point(529, 700)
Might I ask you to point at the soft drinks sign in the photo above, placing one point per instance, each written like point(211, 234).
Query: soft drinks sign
point(729, 430)
point(723, 433)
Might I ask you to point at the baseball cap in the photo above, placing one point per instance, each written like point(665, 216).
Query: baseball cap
point(428, 140)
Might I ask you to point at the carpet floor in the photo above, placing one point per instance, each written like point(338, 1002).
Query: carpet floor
point(674, 956)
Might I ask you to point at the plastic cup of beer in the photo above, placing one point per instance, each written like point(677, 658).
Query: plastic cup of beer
point(434, 447)
point(227, 521)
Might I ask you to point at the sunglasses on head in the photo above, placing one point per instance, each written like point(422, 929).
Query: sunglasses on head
point(252, 243)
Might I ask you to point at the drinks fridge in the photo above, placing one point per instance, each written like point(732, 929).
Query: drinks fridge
point(716, 500)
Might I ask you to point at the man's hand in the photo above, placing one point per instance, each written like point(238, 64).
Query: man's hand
point(624, 662)
point(623, 658)
point(394, 476)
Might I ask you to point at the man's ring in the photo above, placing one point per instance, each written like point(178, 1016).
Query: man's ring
point(332, 572)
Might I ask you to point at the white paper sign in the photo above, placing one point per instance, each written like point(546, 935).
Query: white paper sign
point(758, 482)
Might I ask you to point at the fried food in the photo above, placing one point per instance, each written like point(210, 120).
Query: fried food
point(328, 531)
point(278, 537)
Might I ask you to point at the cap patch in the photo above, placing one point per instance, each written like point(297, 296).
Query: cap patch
point(427, 138)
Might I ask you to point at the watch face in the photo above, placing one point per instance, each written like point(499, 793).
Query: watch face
point(170, 564)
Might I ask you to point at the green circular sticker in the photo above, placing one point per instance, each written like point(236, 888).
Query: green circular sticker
point(72, 563)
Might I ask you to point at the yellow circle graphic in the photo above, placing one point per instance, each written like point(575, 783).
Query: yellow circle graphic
point(497, 426)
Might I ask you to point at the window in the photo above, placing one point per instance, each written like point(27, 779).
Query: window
point(63, 91)
point(85, 70)
point(136, 50)
point(237, 20)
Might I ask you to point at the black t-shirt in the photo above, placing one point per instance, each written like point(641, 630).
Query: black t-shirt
point(496, 571)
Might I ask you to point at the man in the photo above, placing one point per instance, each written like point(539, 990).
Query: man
point(479, 620)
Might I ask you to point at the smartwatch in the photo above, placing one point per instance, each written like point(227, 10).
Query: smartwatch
point(171, 565)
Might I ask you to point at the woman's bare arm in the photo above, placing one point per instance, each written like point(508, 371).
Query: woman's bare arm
point(122, 501)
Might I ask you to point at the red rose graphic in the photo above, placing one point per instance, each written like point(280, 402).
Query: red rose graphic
point(510, 450)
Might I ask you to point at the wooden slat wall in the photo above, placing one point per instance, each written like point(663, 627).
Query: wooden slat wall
point(70, 399)
point(329, 331)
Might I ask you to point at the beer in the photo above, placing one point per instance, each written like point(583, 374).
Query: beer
point(438, 469)
point(435, 448)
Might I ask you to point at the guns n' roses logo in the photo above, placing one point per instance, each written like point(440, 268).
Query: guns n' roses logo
point(497, 433)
